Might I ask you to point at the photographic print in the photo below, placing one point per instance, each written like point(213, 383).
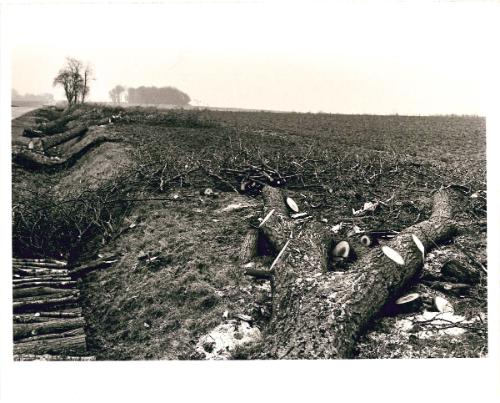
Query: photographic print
point(248, 181)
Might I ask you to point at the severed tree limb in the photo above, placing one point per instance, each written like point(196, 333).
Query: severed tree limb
point(40, 272)
point(20, 280)
point(38, 263)
point(39, 291)
point(320, 314)
point(39, 317)
point(63, 345)
point(23, 330)
point(49, 283)
point(54, 301)
point(56, 139)
point(36, 317)
point(249, 247)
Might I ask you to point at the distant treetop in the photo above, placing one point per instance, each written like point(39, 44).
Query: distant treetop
point(157, 96)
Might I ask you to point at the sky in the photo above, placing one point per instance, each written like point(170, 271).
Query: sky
point(338, 57)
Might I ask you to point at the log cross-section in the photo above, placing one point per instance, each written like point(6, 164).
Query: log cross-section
point(320, 314)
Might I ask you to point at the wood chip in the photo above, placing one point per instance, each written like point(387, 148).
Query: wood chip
point(393, 255)
point(342, 249)
point(266, 218)
point(366, 240)
point(419, 244)
point(292, 205)
point(443, 305)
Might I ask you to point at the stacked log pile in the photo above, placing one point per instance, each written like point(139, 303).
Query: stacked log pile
point(48, 321)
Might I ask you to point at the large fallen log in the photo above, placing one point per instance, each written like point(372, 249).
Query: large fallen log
point(55, 126)
point(24, 330)
point(320, 314)
point(56, 139)
point(62, 345)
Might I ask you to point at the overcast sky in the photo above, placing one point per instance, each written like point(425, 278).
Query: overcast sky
point(345, 57)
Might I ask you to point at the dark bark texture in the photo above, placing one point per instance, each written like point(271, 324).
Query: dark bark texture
point(23, 330)
point(319, 313)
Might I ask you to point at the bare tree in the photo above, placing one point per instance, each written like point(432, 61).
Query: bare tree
point(74, 79)
point(64, 79)
point(116, 92)
point(87, 76)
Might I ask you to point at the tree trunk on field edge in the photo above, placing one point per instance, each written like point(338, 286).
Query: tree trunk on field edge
point(319, 313)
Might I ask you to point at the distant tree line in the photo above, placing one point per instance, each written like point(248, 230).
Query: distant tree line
point(150, 95)
point(45, 98)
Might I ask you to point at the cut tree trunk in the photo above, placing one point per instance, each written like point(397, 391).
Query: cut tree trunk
point(36, 291)
point(51, 283)
point(52, 302)
point(23, 330)
point(39, 263)
point(67, 313)
point(36, 266)
point(41, 272)
point(34, 280)
point(62, 345)
point(36, 317)
point(56, 139)
point(55, 126)
point(320, 314)
point(50, 336)
point(249, 248)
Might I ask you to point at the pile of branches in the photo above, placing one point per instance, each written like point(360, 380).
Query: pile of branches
point(46, 226)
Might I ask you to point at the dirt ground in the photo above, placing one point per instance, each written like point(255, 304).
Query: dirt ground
point(178, 290)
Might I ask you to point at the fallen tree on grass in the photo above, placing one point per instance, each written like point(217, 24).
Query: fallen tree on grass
point(56, 139)
point(319, 313)
point(37, 161)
